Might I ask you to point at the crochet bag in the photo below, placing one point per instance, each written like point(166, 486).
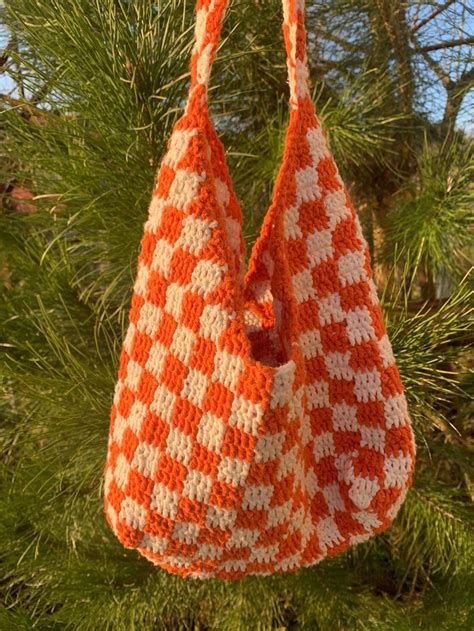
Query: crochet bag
point(259, 423)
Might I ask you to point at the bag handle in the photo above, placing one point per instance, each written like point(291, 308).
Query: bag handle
point(209, 17)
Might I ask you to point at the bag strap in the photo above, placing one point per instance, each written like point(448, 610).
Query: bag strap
point(209, 17)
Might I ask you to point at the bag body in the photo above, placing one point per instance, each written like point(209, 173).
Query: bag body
point(259, 422)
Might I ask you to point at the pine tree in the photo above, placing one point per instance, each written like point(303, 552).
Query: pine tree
point(96, 87)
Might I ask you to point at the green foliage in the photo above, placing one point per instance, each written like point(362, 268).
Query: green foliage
point(103, 83)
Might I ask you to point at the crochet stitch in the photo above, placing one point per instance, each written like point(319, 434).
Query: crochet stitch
point(259, 422)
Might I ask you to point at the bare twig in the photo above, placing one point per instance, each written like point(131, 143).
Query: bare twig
point(432, 15)
point(452, 43)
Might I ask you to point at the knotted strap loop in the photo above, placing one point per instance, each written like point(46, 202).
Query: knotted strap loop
point(209, 17)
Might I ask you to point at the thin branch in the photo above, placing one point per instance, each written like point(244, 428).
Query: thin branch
point(448, 44)
point(432, 15)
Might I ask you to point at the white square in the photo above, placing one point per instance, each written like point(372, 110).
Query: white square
point(214, 321)
point(195, 234)
point(233, 471)
point(133, 514)
point(323, 446)
point(186, 531)
point(195, 387)
point(337, 365)
point(141, 282)
point(303, 286)
point(317, 144)
point(344, 417)
point(120, 425)
point(282, 387)
point(179, 446)
point(242, 538)
point(156, 359)
point(330, 309)
point(307, 187)
point(209, 551)
point(396, 411)
point(178, 146)
point(328, 533)
point(150, 318)
point(211, 432)
point(268, 447)
point(197, 486)
point(373, 438)
point(352, 268)
point(129, 337)
point(227, 369)
point(257, 497)
point(182, 344)
point(121, 471)
point(359, 326)
point(145, 459)
point(279, 514)
point(174, 299)
point(207, 276)
point(362, 491)
point(184, 188)
point(155, 214)
point(386, 352)
point(397, 470)
point(288, 463)
point(319, 246)
point(317, 395)
point(136, 416)
point(134, 373)
point(245, 415)
point(164, 501)
point(163, 403)
point(368, 386)
point(310, 343)
point(336, 207)
point(290, 224)
point(154, 543)
point(162, 255)
point(333, 498)
point(217, 517)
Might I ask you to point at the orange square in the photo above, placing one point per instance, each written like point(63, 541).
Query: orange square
point(251, 519)
point(263, 472)
point(186, 417)
point(166, 330)
point(327, 175)
point(218, 400)
point(154, 431)
point(340, 391)
point(390, 379)
point(171, 224)
point(321, 420)
point(174, 374)
point(125, 402)
point(254, 385)
point(297, 255)
point(157, 285)
point(308, 315)
point(202, 358)
point(171, 473)
point(165, 178)
point(191, 510)
point(191, 310)
point(129, 444)
point(135, 306)
point(124, 359)
point(158, 525)
point(326, 471)
point(140, 347)
point(146, 387)
point(334, 338)
point(182, 266)
point(371, 413)
point(238, 444)
point(204, 460)
point(313, 216)
point(344, 237)
point(325, 278)
point(346, 442)
point(355, 295)
point(139, 487)
point(225, 495)
point(369, 463)
point(147, 248)
point(365, 356)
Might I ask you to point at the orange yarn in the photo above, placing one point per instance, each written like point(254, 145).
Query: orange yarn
point(259, 423)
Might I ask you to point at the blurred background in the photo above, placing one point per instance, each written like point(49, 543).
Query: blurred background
point(89, 91)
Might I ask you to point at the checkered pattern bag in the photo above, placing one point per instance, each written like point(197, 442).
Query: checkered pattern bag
point(259, 423)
